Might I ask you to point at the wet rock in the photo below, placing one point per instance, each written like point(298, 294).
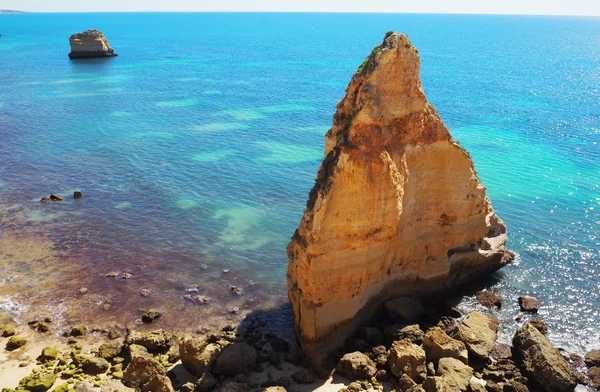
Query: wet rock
point(437, 344)
point(540, 326)
point(541, 361)
point(55, 197)
point(577, 359)
point(528, 304)
point(78, 330)
point(8, 332)
point(592, 358)
point(206, 383)
point(236, 290)
point(151, 316)
point(92, 365)
point(235, 358)
point(48, 354)
point(77, 194)
point(489, 299)
point(110, 350)
point(115, 386)
point(372, 335)
point(126, 275)
point(157, 340)
point(158, 383)
point(141, 370)
point(456, 375)
point(303, 377)
point(407, 358)
point(594, 376)
point(356, 366)
point(44, 199)
point(37, 382)
point(479, 333)
point(501, 351)
point(404, 309)
point(197, 355)
point(15, 342)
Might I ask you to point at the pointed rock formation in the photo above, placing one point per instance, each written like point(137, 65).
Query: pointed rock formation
point(90, 44)
point(397, 207)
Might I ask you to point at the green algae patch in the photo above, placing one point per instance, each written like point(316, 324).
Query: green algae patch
point(48, 354)
point(38, 382)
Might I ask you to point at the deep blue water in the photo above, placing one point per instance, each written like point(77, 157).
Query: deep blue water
point(197, 146)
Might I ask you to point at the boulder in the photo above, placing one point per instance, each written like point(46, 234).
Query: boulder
point(157, 340)
point(397, 209)
point(436, 384)
point(594, 375)
point(501, 351)
point(90, 44)
point(489, 299)
point(394, 332)
point(404, 309)
point(158, 383)
point(110, 350)
point(48, 354)
point(37, 382)
point(92, 365)
point(528, 304)
point(235, 358)
point(141, 370)
point(135, 350)
point(54, 197)
point(372, 335)
point(456, 375)
point(77, 195)
point(437, 344)
point(356, 366)
point(150, 315)
point(541, 361)
point(592, 358)
point(198, 356)
point(15, 342)
point(479, 333)
point(407, 358)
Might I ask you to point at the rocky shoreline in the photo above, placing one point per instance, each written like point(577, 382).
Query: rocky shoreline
point(413, 345)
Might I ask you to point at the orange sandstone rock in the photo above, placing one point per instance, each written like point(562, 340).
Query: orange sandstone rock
point(397, 207)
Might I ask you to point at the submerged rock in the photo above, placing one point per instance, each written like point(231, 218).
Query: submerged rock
point(90, 44)
point(397, 208)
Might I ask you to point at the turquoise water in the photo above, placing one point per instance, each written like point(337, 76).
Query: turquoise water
point(197, 146)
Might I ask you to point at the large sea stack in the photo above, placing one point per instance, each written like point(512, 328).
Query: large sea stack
point(90, 44)
point(397, 208)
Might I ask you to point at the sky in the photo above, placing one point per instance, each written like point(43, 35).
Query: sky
point(527, 7)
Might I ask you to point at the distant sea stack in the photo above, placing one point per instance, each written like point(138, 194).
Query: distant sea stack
point(397, 208)
point(90, 44)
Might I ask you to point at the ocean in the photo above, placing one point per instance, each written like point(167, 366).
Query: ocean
point(196, 149)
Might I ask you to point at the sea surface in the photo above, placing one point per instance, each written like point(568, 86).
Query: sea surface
point(196, 149)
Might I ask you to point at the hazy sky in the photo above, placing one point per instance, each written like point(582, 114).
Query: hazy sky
point(544, 7)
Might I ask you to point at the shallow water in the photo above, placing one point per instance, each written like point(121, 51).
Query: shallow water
point(197, 146)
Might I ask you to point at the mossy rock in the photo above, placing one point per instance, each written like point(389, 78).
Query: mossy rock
point(78, 330)
point(40, 382)
point(8, 332)
point(15, 342)
point(48, 354)
point(62, 388)
point(114, 334)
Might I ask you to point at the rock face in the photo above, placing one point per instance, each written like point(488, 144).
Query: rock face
point(397, 208)
point(90, 44)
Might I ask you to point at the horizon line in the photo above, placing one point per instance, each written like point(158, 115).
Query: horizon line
point(296, 12)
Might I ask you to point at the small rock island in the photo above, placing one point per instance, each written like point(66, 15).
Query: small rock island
point(90, 44)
